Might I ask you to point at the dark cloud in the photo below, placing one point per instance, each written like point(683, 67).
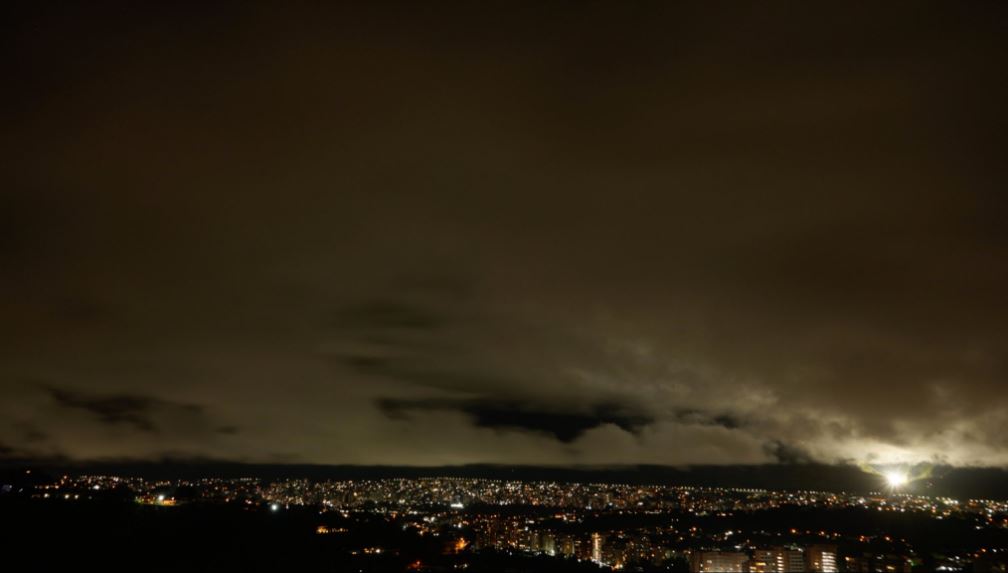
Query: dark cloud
point(565, 426)
point(691, 416)
point(133, 410)
point(787, 453)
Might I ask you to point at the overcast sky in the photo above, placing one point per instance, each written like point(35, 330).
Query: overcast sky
point(592, 233)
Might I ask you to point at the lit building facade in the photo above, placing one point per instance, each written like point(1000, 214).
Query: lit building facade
point(596, 547)
point(822, 558)
point(718, 561)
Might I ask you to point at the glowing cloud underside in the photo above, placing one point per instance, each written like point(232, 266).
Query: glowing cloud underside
point(897, 477)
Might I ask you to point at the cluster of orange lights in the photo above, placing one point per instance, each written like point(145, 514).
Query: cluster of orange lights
point(159, 500)
point(326, 530)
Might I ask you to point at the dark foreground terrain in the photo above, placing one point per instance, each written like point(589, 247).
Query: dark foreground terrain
point(122, 536)
point(114, 534)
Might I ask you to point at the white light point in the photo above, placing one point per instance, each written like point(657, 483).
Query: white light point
point(896, 478)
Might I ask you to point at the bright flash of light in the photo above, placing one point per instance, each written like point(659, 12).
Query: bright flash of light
point(896, 478)
point(274, 507)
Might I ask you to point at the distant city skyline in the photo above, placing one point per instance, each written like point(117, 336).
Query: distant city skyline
point(608, 525)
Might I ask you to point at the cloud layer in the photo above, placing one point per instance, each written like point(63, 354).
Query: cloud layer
point(581, 236)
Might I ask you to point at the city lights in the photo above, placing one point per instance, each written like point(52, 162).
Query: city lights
point(467, 517)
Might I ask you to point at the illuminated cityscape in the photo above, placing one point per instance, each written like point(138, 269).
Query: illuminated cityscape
point(604, 525)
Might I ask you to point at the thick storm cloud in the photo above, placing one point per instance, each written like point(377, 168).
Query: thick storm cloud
point(582, 234)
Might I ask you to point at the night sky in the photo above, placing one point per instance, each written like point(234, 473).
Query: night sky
point(548, 233)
